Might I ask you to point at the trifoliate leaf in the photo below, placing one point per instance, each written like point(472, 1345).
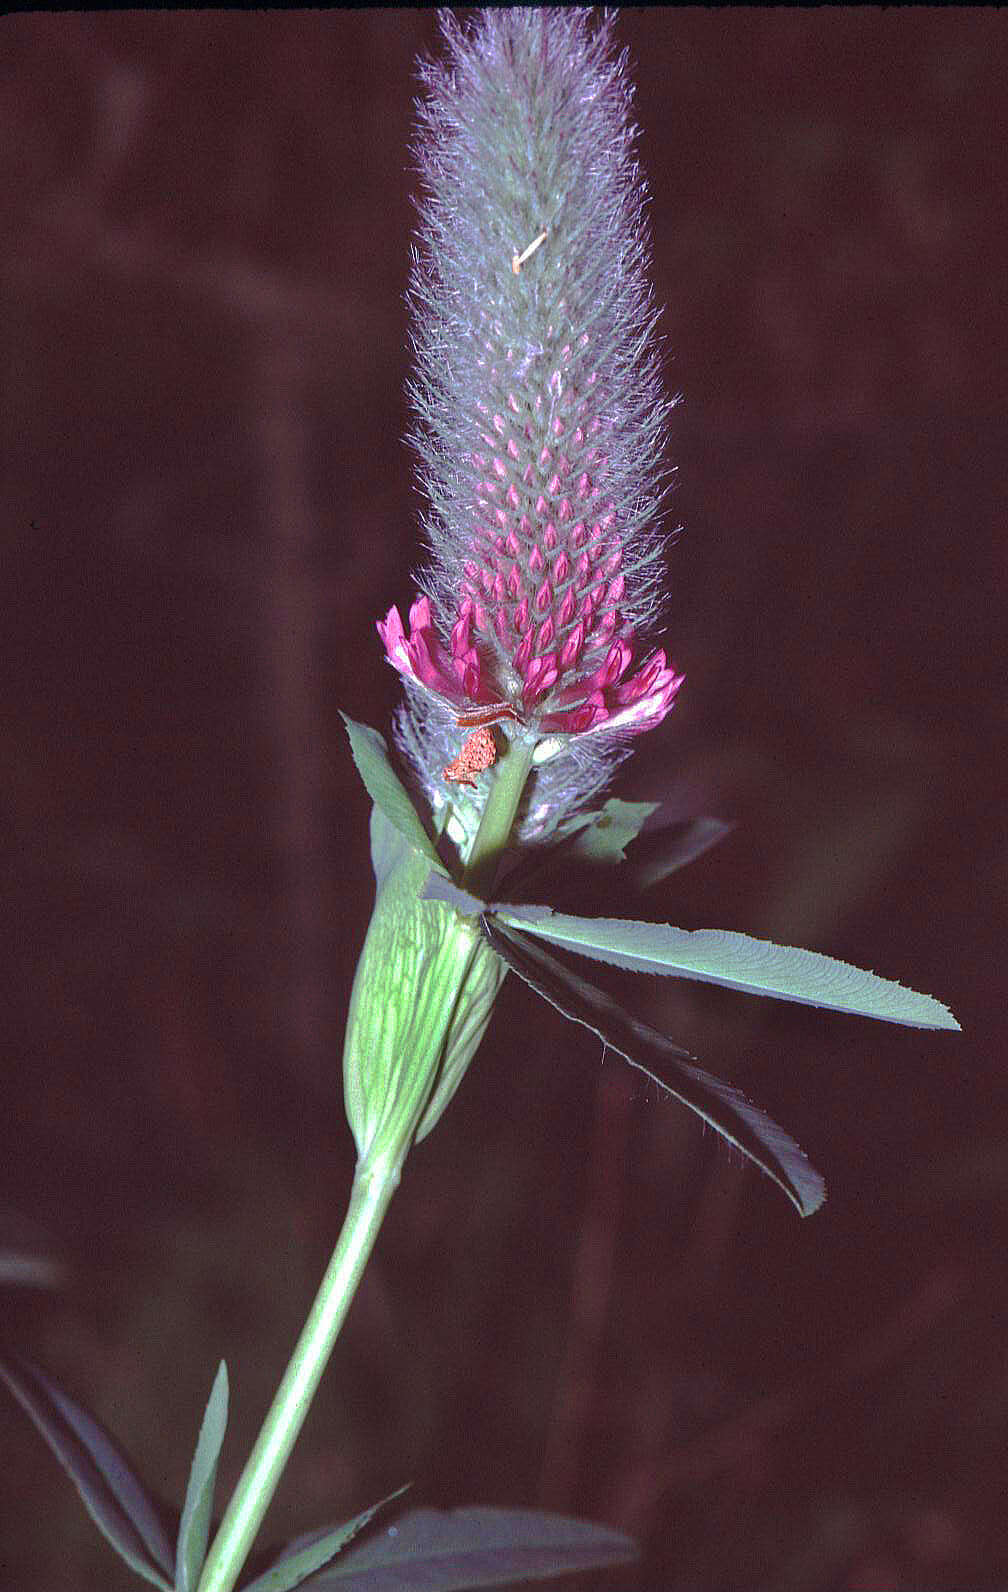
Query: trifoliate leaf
point(720, 1105)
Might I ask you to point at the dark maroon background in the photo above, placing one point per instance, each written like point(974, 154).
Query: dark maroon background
point(578, 1300)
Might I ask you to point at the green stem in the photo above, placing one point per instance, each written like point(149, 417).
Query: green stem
point(498, 818)
point(372, 1191)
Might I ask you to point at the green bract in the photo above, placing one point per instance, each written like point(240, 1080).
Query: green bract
point(421, 1001)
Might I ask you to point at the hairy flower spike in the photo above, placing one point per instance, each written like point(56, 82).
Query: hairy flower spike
point(541, 417)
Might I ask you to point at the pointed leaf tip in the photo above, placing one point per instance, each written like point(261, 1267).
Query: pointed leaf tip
point(461, 1549)
point(194, 1527)
point(306, 1554)
point(383, 785)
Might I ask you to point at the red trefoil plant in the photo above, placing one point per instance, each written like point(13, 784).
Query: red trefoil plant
point(529, 666)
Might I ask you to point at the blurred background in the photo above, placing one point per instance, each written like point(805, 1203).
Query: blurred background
point(579, 1299)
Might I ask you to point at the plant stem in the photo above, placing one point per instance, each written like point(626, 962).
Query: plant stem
point(372, 1191)
point(498, 818)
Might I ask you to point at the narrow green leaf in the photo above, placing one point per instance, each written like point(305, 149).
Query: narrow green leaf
point(307, 1554)
point(720, 1105)
point(469, 1548)
point(194, 1527)
point(721, 956)
point(113, 1496)
point(370, 753)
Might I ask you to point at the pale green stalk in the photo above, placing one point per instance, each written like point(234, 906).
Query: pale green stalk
point(372, 1191)
point(498, 818)
point(378, 1172)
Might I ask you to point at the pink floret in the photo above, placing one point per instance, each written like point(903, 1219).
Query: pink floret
point(606, 700)
point(422, 658)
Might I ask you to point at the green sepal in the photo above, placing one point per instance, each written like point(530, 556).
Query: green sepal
point(307, 1554)
point(723, 956)
point(469, 1022)
point(475, 1006)
point(197, 1511)
point(383, 785)
point(462, 1549)
point(421, 1000)
point(111, 1492)
point(720, 1105)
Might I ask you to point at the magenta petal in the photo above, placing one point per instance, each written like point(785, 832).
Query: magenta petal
point(646, 679)
point(540, 675)
point(654, 689)
point(653, 708)
point(523, 651)
point(589, 713)
point(616, 664)
point(572, 646)
point(391, 630)
point(471, 679)
point(424, 667)
point(461, 631)
point(467, 667)
point(545, 636)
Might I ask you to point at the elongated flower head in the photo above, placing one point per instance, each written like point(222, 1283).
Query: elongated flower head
point(541, 418)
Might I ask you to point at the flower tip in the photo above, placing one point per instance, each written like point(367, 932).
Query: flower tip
point(646, 698)
point(421, 657)
point(394, 639)
point(390, 627)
